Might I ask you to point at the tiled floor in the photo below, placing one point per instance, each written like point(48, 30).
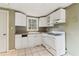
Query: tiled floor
point(36, 51)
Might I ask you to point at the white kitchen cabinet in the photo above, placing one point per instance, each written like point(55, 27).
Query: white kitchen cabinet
point(60, 44)
point(49, 40)
point(53, 18)
point(50, 21)
point(34, 40)
point(21, 42)
point(54, 44)
point(27, 42)
point(18, 41)
point(43, 22)
point(31, 40)
point(32, 24)
point(58, 16)
point(20, 19)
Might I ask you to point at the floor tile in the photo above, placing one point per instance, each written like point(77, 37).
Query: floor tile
point(35, 51)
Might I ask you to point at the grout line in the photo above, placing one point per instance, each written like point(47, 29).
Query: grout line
point(28, 52)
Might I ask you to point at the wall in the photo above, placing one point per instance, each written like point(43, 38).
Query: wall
point(42, 29)
point(11, 29)
point(72, 29)
point(20, 29)
point(57, 27)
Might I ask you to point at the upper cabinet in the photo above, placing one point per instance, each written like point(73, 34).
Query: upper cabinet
point(43, 22)
point(58, 16)
point(32, 24)
point(50, 21)
point(20, 19)
point(54, 18)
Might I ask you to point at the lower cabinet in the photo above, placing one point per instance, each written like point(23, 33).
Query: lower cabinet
point(31, 40)
point(18, 41)
point(24, 42)
point(21, 42)
point(34, 40)
point(55, 45)
point(49, 41)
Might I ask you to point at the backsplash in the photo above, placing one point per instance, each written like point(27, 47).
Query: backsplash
point(20, 30)
point(42, 29)
point(57, 27)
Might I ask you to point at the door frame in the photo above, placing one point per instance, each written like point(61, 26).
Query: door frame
point(7, 11)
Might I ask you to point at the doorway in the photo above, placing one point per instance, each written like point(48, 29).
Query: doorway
point(3, 30)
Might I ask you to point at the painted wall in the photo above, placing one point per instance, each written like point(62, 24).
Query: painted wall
point(72, 29)
point(20, 29)
point(57, 27)
point(11, 29)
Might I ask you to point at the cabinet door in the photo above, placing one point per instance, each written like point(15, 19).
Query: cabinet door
point(50, 20)
point(44, 40)
point(59, 16)
point(53, 17)
point(38, 40)
point(34, 40)
point(43, 22)
point(32, 24)
point(60, 43)
point(24, 42)
point(49, 40)
point(18, 42)
point(20, 19)
point(31, 40)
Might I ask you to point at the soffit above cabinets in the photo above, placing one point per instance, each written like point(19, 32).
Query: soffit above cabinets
point(35, 9)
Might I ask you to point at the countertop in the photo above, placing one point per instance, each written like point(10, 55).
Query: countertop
point(55, 34)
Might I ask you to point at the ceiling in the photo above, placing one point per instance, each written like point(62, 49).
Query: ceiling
point(36, 9)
